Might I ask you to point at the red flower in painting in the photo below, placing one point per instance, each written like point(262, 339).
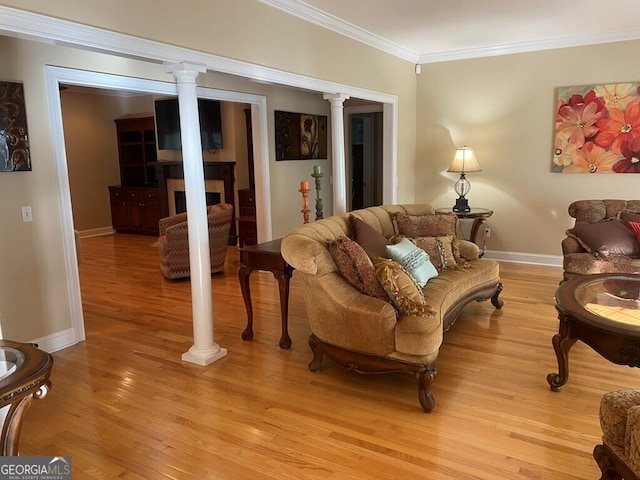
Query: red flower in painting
point(590, 97)
point(629, 164)
point(620, 130)
point(577, 122)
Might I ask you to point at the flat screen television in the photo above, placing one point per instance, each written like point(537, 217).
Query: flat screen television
point(168, 124)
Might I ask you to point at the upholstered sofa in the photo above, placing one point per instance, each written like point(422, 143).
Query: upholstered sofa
point(173, 242)
point(602, 240)
point(398, 328)
point(619, 454)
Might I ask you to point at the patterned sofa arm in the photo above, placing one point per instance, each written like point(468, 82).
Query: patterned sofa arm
point(571, 245)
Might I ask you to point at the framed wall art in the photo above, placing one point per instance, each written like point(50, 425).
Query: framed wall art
point(14, 139)
point(597, 129)
point(300, 136)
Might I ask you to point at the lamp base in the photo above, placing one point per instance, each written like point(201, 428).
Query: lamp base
point(462, 205)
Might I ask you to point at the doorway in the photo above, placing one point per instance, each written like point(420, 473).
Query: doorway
point(59, 75)
point(365, 159)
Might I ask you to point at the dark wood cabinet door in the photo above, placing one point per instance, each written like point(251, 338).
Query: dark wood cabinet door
point(151, 211)
point(119, 211)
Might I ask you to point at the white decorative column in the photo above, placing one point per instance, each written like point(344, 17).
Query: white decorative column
point(204, 350)
point(337, 152)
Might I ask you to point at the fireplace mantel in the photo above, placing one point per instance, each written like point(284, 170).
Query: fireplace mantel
point(212, 171)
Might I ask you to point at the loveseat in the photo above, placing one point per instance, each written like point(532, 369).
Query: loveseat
point(602, 239)
point(399, 327)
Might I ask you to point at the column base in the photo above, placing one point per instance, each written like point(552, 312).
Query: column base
point(204, 357)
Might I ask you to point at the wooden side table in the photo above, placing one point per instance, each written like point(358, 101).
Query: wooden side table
point(24, 376)
point(479, 216)
point(266, 256)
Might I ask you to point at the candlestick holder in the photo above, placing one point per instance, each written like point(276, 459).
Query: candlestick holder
point(305, 204)
point(318, 177)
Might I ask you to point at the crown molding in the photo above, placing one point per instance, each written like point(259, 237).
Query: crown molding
point(37, 27)
point(313, 15)
point(535, 46)
point(316, 16)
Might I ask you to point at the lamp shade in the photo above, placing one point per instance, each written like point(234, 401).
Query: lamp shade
point(464, 161)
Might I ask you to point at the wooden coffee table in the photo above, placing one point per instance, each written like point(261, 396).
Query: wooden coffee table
point(603, 311)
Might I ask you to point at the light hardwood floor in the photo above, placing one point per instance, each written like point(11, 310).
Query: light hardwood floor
point(124, 405)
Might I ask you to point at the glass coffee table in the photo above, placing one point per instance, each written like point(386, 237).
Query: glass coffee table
point(602, 311)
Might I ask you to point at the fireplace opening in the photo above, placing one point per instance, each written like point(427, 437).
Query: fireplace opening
point(180, 199)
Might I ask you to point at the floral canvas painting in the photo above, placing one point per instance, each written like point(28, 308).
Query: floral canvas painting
point(300, 136)
point(597, 129)
point(14, 140)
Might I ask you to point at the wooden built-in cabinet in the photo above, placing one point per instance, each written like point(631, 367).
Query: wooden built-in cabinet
point(135, 206)
point(137, 151)
point(135, 209)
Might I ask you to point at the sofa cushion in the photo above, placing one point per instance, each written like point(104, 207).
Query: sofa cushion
point(606, 238)
point(436, 225)
point(373, 242)
point(355, 266)
point(414, 260)
point(405, 295)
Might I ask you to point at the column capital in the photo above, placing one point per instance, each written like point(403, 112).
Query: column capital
point(185, 71)
point(336, 99)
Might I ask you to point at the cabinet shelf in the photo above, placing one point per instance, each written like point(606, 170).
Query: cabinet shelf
point(134, 203)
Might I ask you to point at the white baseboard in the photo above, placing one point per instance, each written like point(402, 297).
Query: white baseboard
point(56, 341)
point(97, 232)
point(528, 258)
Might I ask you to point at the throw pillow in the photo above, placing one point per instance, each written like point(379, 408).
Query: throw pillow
point(403, 293)
point(355, 266)
point(414, 260)
point(635, 227)
point(373, 242)
point(436, 225)
point(439, 249)
point(606, 238)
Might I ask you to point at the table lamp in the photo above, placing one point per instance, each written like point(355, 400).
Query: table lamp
point(463, 161)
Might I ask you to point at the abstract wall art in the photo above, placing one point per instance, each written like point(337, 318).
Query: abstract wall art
point(300, 136)
point(597, 129)
point(14, 139)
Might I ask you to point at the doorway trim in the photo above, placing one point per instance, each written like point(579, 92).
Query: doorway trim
point(56, 75)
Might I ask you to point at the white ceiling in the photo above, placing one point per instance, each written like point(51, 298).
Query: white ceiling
point(426, 31)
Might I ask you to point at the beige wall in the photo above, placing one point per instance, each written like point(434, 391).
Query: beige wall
point(92, 152)
point(34, 299)
point(504, 108)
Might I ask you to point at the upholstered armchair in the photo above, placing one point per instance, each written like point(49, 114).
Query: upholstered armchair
point(173, 243)
point(602, 239)
point(619, 455)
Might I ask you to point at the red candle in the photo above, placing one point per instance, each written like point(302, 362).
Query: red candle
point(304, 185)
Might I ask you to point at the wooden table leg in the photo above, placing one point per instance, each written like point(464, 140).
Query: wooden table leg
point(475, 228)
point(562, 343)
point(283, 286)
point(243, 278)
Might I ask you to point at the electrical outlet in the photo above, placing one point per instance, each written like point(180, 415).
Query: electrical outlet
point(487, 232)
point(26, 214)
